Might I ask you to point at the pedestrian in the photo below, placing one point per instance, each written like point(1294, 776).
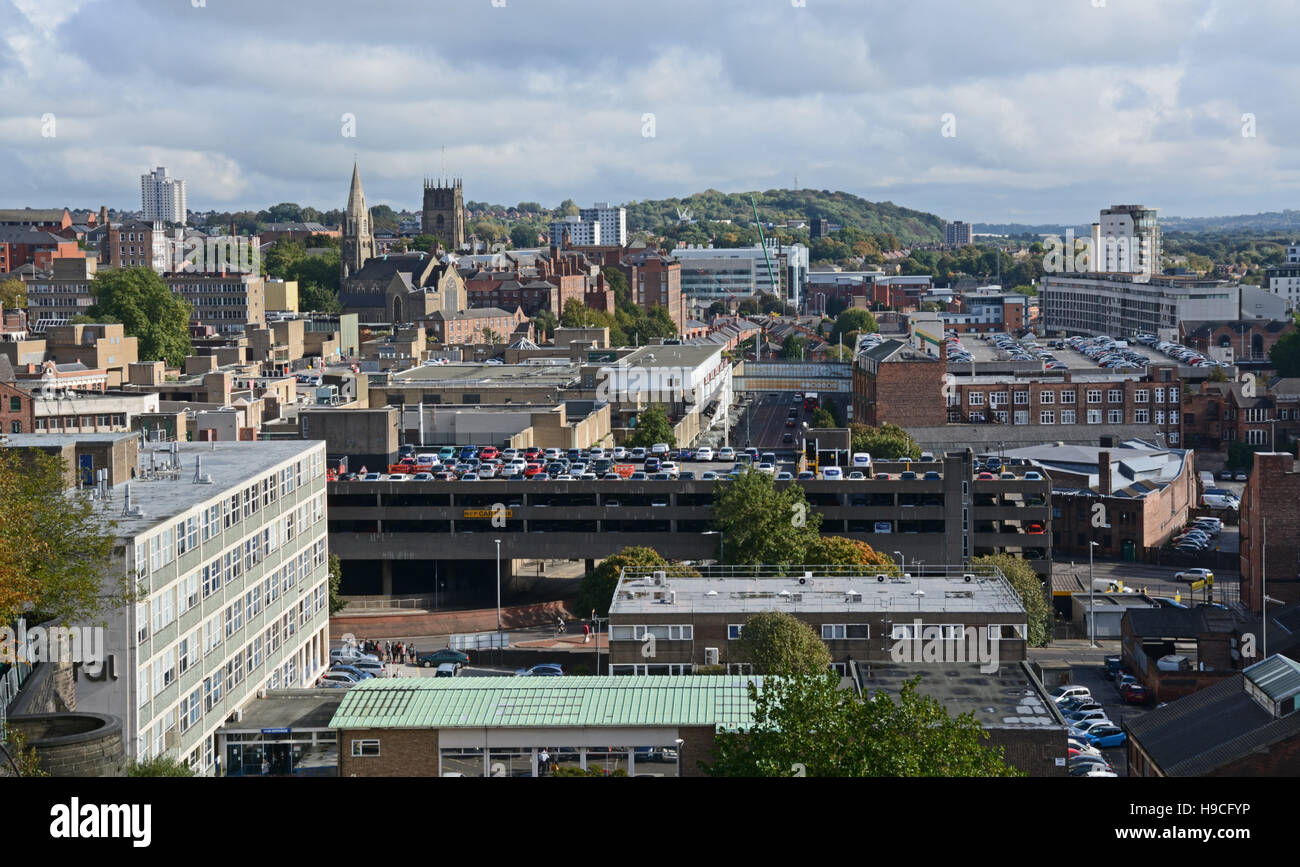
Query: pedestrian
point(543, 763)
point(266, 767)
point(411, 651)
point(559, 625)
point(586, 633)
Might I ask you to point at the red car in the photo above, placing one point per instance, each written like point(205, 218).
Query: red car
point(789, 422)
point(1134, 693)
point(532, 470)
point(488, 453)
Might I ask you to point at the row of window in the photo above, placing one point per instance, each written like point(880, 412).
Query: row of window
point(1092, 395)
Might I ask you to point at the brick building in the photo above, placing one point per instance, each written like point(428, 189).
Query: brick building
point(896, 384)
point(1221, 413)
point(1270, 521)
point(467, 327)
point(27, 245)
point(16, 413)
point(136, 244)
point(42, 219)
point(1247, 340)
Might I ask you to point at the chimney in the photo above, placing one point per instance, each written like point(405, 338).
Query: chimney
point(1103, 473)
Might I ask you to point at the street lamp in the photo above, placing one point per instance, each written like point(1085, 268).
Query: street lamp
point(679, 757)
point(902, 562)
point(722, 550)
point(498, 541)
point(1092, 608)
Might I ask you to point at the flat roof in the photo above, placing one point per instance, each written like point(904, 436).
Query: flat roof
point(824, 589)
point(1006, 698)
point(294, 709)
point(531, 702)
point(673, 355)
point(489, 374)
point(164, 495)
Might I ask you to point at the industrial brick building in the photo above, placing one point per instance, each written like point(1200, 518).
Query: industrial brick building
point(1270, 522)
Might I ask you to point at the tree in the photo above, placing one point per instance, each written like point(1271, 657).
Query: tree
point(794, 346)
point(718, 308)
point(575, 314)
point(807, 724)
point(822, 417)
point(1025, 581)
point(13, 294)
point(843, 551)
point(140, 300)
point(522, 236)
point(312, 297)
point(775, 642)
point(1285, 355)
point(1242, 455)
point(652, 426)
point(597, 588)
point(337, 603)
point(55, 546)
point(159, 766)
point(853, 319)
point(544, 323)
point(762, 525)
point(887, 442)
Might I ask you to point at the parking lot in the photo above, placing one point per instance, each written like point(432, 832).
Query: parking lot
point(1105, 693)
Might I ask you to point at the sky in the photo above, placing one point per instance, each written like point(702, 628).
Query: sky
point(1030, 111)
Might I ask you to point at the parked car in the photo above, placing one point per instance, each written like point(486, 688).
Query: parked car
point(370, 667)
point(1134, 693)
point(544, 669)
point(704, 453)
point(1106, 736)
point(1190, 575)
point(1067, 691)
point(438, 657)
point(352, 670)
point(337, 680)
point(349, 654)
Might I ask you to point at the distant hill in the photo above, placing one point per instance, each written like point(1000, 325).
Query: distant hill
point(843, 209)
point(1268, 221)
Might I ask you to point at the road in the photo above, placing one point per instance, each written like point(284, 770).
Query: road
point(1154, 580)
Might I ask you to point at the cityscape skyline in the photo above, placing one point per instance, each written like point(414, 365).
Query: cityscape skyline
point(1103, 116)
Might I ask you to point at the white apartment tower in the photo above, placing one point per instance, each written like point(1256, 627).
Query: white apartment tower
point(576, 232)
point(613, 222)
point(162, 198)
point(1127, 240)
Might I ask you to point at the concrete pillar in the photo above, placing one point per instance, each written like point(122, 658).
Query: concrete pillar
point(386, 570)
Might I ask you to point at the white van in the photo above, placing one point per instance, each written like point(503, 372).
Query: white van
point(861, 460)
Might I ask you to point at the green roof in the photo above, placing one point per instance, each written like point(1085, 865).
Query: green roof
point(1277, 676)
point(721, 701)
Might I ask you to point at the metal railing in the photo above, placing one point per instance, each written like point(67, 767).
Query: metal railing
point(11, 681)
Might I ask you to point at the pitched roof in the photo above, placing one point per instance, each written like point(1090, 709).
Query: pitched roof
point(507, 702)
point(32, 215)
point(1210, 728)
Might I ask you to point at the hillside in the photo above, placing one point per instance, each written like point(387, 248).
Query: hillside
point(844, 209)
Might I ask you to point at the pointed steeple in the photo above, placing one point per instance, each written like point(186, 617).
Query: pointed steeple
point(356, 196)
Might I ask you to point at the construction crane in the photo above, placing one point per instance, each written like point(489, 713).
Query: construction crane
point(762, 242)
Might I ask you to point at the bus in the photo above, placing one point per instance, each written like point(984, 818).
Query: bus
point(810, 401)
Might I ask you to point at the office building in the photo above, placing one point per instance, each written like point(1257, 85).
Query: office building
point(1127, 240)
point(162, 198)
point(1124, 305)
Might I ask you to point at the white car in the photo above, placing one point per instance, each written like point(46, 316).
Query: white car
point(1067, 691)
point(1190, 575)
point(659, 449)
point(669, 467)
point(861, 459)
point(726, 453)
point(833, 473)
point(620, 453)
point(552, 454)
point(704, 453)
point(766, 468)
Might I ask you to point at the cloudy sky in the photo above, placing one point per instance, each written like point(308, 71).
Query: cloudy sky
point(1056, 108)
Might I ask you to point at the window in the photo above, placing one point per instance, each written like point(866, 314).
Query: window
point(1068, 396)
point(1160, 416)
point(1094, 395)
point(1142, 395)
point(141, 623)
point(1173, 395)
point(365, 748)
point(1160, 395)
point(975, 398)
point(831, 631)
point(1141, 416)
point(998, 398)
point(1047, 416)
point(1114, 395)
point(734, 629)
point(1094, 416)
point(1022, 416)
point(1068, 416)
point(1256, 437)
point(1021, 398)
point(1047, 397)
point(1173, 437)
point(1173, 416)
point(1115, 416)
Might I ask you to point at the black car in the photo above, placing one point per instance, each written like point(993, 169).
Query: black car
point(787, 437)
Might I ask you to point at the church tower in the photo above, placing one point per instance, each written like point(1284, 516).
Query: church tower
point(358, 237)
point(444, 212)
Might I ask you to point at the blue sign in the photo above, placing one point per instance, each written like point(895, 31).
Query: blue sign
point(283, 731)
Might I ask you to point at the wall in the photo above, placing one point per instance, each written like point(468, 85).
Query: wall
point(75, 744)
point(402, 753)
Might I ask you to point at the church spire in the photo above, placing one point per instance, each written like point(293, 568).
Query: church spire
point(356, 196)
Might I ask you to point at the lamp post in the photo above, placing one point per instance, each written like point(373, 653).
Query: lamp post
point(1092, 608)
point(679, 757)
point(902, 563)
point(498, 541)
point(722, 549)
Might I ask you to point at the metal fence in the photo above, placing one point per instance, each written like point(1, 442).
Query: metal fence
point(11, 681)
point(480, 641)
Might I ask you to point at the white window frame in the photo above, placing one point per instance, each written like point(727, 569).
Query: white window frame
point(361, 745)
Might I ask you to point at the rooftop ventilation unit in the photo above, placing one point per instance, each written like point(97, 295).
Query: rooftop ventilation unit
point(658, 578)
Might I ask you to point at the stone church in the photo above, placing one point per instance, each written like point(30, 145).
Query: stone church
point(444, 212)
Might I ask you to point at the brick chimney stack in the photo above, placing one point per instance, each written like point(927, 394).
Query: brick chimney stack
point(1103, 473)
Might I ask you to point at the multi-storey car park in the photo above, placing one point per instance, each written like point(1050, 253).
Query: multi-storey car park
point(408, 537)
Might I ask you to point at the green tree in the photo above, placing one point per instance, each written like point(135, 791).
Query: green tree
point(13, 294)
point(544, 323)
point(575, 314)
point(55, 546)
point(1025, 581)
point(887, 442)
point(806, 722)
point(763, 525)
point(140, 300)
point(597, 588)
point(775, 642)
point(853, 319)
point(337, 602)
point(159, 766)
point(1285, 355)
point(822, 418)
point(312, 297)
point(794, 346)
point(1242, 455)
point(523, 236)
point(652, 426)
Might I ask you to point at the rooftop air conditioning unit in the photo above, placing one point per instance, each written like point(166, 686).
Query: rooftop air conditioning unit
point(968, 577)
point(659, 578)
point(881, 577)
point(710, 656)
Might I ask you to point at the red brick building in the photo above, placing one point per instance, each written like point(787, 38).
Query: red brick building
point(1220, 413)
point(137, 244)
point(22, 245)
point(468, 327)
point(895, 384)
point(1250, 340)
point(17, 415)
point(42, 219)
point(1270, 521)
